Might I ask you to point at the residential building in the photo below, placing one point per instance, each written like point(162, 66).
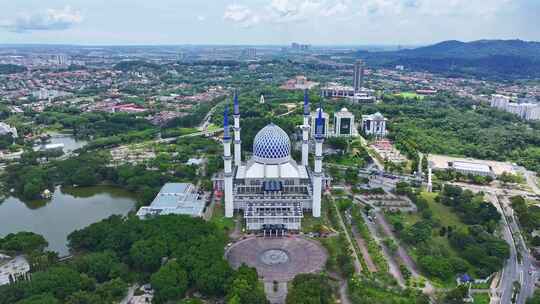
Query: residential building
point(526, 110)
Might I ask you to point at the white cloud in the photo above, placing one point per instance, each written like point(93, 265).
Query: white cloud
point(286, 11)
point(201, 18)
point(241, 14)
point(48, 20)
point(431, 7)
point(340, 8)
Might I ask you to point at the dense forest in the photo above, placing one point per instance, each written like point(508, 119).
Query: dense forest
point(452, 126)
point(178, 255)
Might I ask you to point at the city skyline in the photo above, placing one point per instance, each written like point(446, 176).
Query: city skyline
point(265, 22)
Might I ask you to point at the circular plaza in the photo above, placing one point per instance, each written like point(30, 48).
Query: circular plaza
point(278, 259)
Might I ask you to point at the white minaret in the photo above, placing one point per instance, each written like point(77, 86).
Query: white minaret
point(237, 141)
point(317, 173)
point(305, 130)
point(227, 163)
point(429, 183)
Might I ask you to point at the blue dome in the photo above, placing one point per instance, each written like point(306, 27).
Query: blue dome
point(271, 145)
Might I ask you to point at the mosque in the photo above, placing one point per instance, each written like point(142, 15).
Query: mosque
point(271, 189)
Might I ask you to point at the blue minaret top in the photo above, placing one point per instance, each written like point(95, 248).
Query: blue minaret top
point(226, 131)
point(236, 105)
point(319, 124)
point(306, 102)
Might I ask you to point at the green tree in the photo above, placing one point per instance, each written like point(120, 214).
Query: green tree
point(169, 283)
point(246, 287)
point(46, 298)
point(23, 242)
point(146, 255)
point(84, 297)
point(310, 289)
point(112, 291)
point(61, 281)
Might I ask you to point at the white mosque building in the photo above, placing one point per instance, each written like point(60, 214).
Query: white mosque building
point(271, 189)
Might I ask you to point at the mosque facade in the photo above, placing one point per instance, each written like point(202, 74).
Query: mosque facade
point(270, 189)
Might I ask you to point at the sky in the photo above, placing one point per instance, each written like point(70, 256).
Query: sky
point(269, 22)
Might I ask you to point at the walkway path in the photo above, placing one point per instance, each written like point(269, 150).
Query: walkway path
point(402, 253)
point(343, 287)
point(278, 296)
point(356, 261)
point(363, 248)
point(393, 265)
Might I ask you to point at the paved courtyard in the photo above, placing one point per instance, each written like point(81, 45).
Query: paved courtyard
point(278, 259)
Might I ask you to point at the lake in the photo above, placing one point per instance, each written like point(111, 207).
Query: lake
point(67, 140)
point(68, 210)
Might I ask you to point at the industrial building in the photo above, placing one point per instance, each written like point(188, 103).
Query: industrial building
point(175, 198)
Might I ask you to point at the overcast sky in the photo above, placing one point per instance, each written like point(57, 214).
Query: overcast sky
point(349, 22)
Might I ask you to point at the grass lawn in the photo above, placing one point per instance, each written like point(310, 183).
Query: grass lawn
point(312, 224)
point(218, 218)
point(442, 213)
point(186, 131)
point(212, 127)
point(410, 95)
point(481, 298)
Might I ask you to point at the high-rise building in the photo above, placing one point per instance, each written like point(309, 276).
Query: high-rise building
point(250, 52)
point(358, 75)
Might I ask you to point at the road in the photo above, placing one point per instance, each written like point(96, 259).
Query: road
point(526, 272)
point(519, 267)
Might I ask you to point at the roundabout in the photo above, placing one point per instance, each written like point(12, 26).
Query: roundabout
point(278, 259)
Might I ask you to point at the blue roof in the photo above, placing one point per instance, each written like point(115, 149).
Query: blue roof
point(465, 278)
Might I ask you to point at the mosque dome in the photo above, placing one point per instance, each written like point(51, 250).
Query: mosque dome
point(271, 145)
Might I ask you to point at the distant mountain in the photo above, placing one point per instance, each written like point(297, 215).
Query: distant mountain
point(476, 49)
point(495, 59)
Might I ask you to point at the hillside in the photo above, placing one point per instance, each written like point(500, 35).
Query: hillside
point(476, 49)
point(493, 59)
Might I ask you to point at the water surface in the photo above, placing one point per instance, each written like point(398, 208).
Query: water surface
point(68, 210)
